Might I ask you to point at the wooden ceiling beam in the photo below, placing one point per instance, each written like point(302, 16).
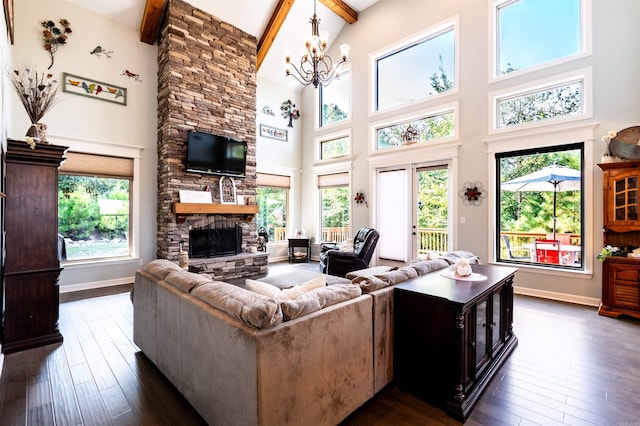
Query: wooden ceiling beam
point(275, 23)
point(151, 20)
point(341, 9)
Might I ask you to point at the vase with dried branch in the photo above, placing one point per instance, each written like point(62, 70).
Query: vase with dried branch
point(37, 92)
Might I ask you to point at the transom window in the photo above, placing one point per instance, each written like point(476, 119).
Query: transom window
point(416, 71)
point(551, 102)
point(428, 128)
point(334, 147)
point(534, 32)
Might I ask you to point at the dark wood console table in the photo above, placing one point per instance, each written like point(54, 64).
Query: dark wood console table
point(451, 336)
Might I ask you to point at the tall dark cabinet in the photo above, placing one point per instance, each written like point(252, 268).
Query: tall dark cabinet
point(30, 302)
point(621, 226)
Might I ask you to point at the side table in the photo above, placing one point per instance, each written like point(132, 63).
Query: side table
point(304, 243)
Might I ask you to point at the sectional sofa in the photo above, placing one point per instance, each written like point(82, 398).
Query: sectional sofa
point(243, 358)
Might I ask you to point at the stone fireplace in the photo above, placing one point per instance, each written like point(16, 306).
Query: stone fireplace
point(206, 83)
point(214, 237)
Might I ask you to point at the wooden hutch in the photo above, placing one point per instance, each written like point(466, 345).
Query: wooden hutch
point(30, 303)
point(621, 227)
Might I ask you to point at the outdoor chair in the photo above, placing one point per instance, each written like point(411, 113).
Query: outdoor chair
point(547, 251)
point(510, 251)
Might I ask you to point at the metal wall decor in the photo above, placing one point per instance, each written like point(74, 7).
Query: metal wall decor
point(94, 89)
point(227, 190)
point(409, 136)
point(472, 193)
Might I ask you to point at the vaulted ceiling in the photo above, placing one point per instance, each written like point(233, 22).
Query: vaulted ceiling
point(279, 25)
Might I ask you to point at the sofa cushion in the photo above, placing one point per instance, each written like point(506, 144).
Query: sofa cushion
point(251, 308)
point(317, 299)
point(270, 290)
point(369, 283)
point(425, 266)
point(398, 276)
point(186, 281)
point(161, 267)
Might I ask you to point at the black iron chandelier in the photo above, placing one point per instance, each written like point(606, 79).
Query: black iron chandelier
point(315, 66)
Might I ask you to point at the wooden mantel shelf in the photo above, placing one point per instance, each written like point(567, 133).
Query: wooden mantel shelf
point(185, 209)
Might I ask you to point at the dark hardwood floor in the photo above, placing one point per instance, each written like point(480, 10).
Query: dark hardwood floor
point(571, 366)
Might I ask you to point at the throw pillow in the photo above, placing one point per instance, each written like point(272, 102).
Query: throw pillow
point(263, 288)
point(270, 290)
point(346, 245)
point(293, 292)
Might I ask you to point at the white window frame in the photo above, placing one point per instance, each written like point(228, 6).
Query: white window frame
point(441, 27)
point(586, 42)
point(584, 76)
point(319, 140)
point(345, 69)
point(113, 150)
point(558, 136)
point(283, 171)
point(415, 115)
point(327, 169)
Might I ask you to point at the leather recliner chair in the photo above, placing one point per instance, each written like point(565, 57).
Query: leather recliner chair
point(340, 262)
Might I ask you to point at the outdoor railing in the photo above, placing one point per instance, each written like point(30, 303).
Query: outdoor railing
point(521, 242)
point(432, 239)
point(337, 235)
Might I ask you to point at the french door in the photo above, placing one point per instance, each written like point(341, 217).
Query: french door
point(412, 211)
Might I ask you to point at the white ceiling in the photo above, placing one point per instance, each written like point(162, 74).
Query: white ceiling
point(251, 16)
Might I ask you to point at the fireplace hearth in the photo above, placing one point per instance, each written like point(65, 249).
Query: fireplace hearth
point(219, 237)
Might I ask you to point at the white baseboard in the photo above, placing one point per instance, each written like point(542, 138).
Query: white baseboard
point(562, 297)
point(96, 284)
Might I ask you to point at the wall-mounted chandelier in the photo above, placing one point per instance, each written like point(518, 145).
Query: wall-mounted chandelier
point(316, 67)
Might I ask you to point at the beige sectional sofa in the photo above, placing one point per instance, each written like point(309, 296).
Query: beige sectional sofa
point(241, 358)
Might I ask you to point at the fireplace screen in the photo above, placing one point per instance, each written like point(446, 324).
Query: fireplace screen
point(218, 238)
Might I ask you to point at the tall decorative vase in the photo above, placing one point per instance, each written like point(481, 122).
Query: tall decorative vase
point(33, 132)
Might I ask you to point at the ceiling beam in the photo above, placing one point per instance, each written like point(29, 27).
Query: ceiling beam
point(341, 9)
point(275, 23)
point(151, 19)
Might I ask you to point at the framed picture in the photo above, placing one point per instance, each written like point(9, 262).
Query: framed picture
point(94, 89)
point(8, 14)
point(273, 133)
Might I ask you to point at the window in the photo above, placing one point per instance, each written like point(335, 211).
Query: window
point(437, 126)
point(541, 199)
point(557, 101)
point(561, 98)
point(416, 71)
point(529, 34)
point(273, 202)
point(93, 206)
point(335, 100)
point(334, 202)
point(335, 147)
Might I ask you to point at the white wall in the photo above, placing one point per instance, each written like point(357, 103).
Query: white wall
point(616, 38)
point(94, 125)
point(279, 157)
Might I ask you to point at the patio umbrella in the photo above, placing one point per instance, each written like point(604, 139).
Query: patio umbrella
point(552, 178)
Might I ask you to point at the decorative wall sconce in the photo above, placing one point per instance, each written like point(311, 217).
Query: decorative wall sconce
point(360, 198)
point(472, 193)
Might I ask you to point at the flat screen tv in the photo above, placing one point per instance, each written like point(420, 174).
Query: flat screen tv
point(218, 155)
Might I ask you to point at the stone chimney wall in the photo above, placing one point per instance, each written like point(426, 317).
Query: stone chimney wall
point(206, 83)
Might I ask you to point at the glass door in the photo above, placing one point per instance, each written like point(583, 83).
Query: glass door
point(431, 216)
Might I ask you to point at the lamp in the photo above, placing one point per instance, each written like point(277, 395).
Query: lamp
point(316, 67)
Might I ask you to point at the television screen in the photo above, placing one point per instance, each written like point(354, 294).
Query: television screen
point(213, 154)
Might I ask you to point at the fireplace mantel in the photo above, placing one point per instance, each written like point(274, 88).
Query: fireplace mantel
point(182, 210)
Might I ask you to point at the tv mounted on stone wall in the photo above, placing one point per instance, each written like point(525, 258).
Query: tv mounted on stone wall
point(217, 155)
